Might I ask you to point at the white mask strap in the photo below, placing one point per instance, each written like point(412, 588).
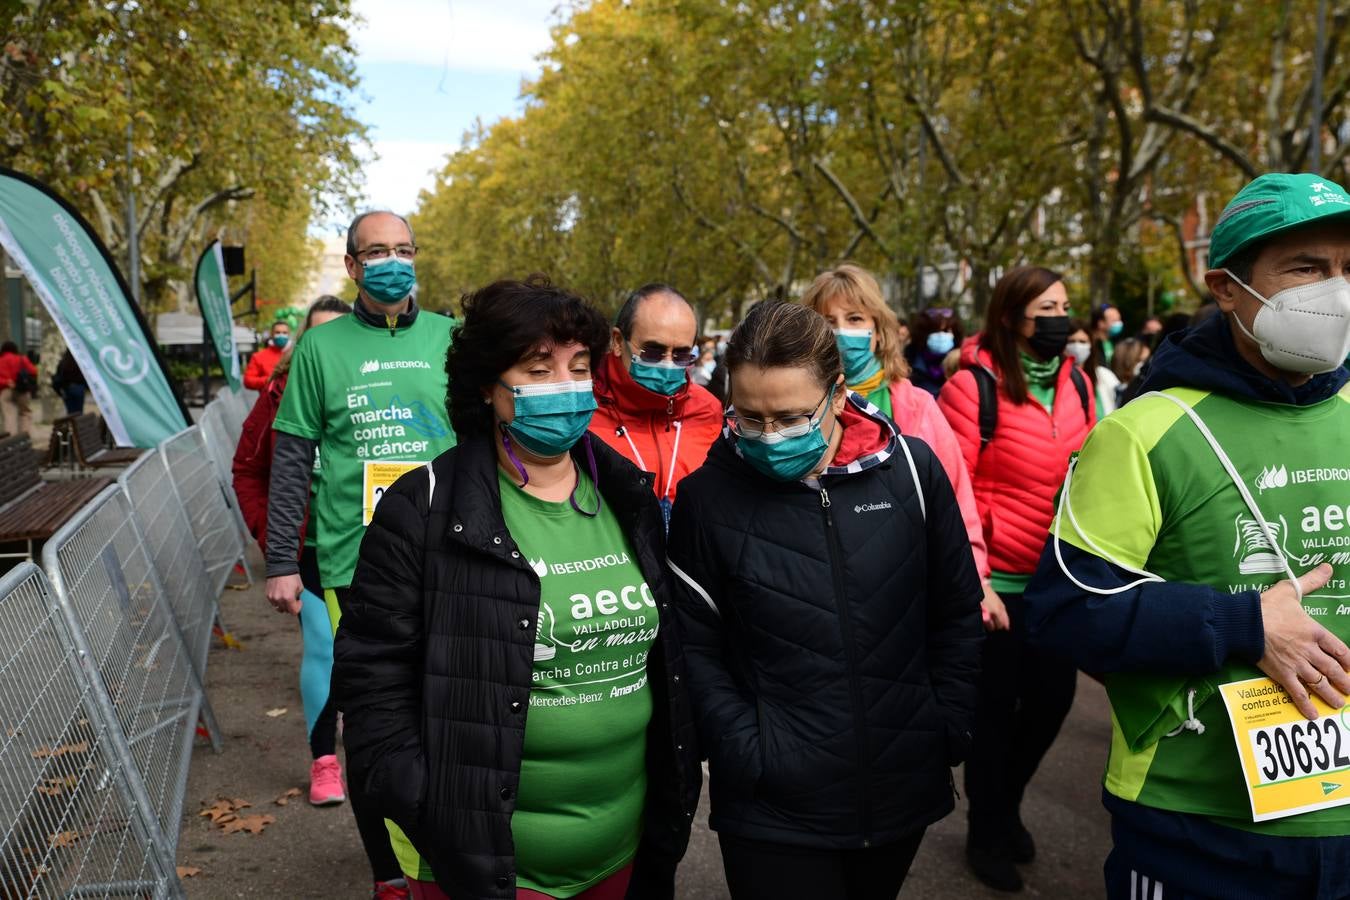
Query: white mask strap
point(1238, 483)
point(1246, 287)
point(1066, 511)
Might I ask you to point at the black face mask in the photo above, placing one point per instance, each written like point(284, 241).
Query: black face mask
point(1050, 337)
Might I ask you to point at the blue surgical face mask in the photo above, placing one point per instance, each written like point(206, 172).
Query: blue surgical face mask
point(1115, 328)
point(550, 418)
point(281, 340)
point(855, 350)
point(664, 378)
point(790, 454)
point(941, 342)
point(388, 280)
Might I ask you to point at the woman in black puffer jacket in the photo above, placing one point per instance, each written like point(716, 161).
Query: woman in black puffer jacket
point(510, 675)
point(829, 605)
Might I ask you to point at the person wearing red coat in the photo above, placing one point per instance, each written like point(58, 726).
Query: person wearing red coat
point(262, 362)
point(649, 410)
point(252, 472)
point(14, 402)
point(1043, 411)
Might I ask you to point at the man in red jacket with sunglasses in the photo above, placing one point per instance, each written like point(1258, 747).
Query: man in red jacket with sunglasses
point(649, 410)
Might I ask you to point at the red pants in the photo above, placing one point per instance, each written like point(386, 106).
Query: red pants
point(612, 888)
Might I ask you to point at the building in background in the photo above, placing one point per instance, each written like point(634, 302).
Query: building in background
point(330, 277)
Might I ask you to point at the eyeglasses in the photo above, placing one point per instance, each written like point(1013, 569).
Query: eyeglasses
point(938, 312)
point(786, 426)
point(380, 251)
point(655, 354)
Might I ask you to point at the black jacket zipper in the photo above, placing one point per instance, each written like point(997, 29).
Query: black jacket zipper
point(850, 649)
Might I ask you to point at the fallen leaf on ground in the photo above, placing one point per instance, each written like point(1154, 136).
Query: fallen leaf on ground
point(230, 641)
point(223, 810)
point(48, 752)
point(286, 797)
point(251, 824)
point(53, 787)
point(279, 711)
point(63, 839)
point(188, 871)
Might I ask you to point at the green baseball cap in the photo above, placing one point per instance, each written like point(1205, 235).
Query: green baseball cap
point(1272, 204)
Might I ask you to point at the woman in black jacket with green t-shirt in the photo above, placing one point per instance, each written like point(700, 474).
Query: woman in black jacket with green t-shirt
point(512, 688)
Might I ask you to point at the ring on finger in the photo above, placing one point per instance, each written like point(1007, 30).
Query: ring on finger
point(1313, 684)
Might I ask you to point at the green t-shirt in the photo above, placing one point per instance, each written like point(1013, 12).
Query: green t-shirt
point(375, 403)
point(1151, 493)
point(881, 399)
point(583, 776)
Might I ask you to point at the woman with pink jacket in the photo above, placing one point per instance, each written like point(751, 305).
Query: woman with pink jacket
point(868, 335)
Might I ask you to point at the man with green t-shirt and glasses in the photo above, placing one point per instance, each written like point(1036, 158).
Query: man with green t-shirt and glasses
point(1200, 562)
point(367, 394)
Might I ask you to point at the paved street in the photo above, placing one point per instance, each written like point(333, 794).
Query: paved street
point(310, 852)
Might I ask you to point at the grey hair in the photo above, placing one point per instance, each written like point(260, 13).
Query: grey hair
point(351, 229)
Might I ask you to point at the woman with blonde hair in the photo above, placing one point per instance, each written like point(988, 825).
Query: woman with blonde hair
point(867, 333)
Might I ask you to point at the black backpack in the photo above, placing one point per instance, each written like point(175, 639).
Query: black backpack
point(987, 386)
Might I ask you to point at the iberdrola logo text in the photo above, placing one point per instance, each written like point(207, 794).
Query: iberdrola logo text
point(1272, 477)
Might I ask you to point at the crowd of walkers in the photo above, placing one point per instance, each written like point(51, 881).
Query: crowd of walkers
point(545, 566)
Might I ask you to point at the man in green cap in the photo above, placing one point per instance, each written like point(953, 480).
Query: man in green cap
point(1200, 562)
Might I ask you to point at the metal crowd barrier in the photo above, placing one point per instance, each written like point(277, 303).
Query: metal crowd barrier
point(216, 429)
point(124, 627)
point(102, 671)
point(221, 438)
point(168, 535)
point(73, 805)
point(209, 503)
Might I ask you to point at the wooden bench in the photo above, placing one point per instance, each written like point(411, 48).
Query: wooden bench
point(86, 439)
point(31, 510)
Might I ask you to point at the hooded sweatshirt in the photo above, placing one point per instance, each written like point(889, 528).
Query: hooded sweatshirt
point(1149, 494)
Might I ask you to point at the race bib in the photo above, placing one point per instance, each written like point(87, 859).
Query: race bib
point(378, 478)
point(1290, 765)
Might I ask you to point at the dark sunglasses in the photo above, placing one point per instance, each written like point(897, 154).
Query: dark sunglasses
point(680, 356)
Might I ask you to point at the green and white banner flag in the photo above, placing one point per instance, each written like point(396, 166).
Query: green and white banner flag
point(71, 271)
point(213, 296)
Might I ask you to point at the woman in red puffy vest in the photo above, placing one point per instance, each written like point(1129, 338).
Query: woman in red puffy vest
point(1019, 408)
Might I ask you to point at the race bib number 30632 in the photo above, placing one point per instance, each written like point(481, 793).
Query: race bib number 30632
point(1291, 765)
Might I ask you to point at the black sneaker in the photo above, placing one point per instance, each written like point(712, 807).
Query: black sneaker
point(1021, 845)
point(994, 868)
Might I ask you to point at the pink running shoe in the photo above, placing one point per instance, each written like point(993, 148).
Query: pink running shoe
point(325, 782)
point(397, 889)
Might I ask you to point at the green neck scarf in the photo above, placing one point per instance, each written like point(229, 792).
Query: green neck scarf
point(1040, 373)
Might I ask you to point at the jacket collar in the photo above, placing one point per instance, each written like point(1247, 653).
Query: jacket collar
point(873, 442)
point(377, 320)
point(1205, 357)
point(475, 517)
point(869, 438)
point(615, 388)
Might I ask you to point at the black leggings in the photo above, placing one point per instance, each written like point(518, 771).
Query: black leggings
point(1024, 697)
point(757, 870)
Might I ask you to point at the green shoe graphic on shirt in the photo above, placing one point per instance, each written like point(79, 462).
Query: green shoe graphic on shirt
point(1254, 550)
